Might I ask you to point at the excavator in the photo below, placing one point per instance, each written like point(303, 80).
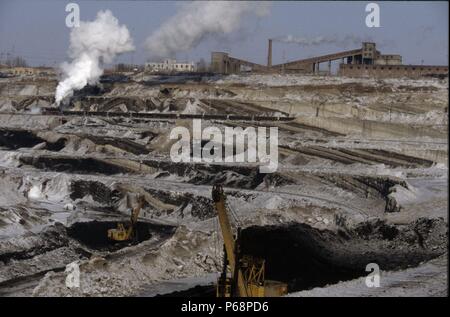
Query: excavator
point(122, 233)
point(242, 275)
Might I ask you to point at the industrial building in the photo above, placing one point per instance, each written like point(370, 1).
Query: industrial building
point(384, 71)
point(30, 71)
point(169, 66)
point(362, 62)
point(222, 63)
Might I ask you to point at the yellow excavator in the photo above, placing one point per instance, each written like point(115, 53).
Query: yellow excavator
point(125, 234)
point(242, 275)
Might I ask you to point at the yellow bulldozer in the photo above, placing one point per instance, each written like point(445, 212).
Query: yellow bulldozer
point(127, 233)
point(242, 275)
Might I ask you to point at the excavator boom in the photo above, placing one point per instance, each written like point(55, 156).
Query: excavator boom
point(247, 272)
point(228, 239)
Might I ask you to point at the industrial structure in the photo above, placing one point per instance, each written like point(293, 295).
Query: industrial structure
point(362, 62)
point(168, 66)
point(26, 71)
point(222, 63)
point(125, 234)
point(247, 278)
point(380, 71)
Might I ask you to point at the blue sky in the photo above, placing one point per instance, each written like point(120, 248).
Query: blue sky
point(416, 30)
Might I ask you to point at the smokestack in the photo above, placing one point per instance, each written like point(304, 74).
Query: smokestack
point(269, 55)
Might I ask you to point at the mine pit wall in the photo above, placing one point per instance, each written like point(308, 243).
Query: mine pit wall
point(431, 155)
point(438, 156)
point(90, 233)
point(302, 108)
point(383, 130)
point(386, 71)
point(31, 121)
point(371, 129)
point(306, 257)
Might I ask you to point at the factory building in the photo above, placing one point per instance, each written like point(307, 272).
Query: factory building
point(388, 60)
point(386, 71)
point(361, 62)
point(222, 63)
point(170, 66)
point(370, 56)
point(26, 71)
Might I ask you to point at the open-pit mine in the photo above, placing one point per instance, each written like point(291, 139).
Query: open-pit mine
point(362, 178)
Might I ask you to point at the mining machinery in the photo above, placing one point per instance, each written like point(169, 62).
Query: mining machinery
point(122, 233)
point(242, 275)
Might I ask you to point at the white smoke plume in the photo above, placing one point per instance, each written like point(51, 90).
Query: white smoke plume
point(198, 20)
point(347, 41)
point(91, 44)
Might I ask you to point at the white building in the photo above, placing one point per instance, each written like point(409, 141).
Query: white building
point(170, 65)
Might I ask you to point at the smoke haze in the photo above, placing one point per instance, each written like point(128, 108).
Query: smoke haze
point(198, 20)
point(91, 44)
point(348, 41)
